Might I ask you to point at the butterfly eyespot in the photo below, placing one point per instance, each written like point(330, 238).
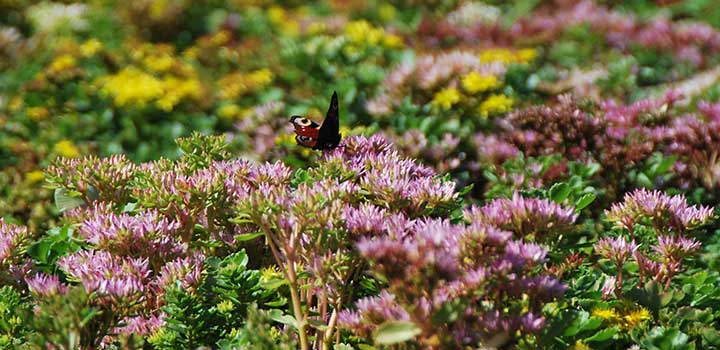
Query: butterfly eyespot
point(304, 138)
point(304, 121)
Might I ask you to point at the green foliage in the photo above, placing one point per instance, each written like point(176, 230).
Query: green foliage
point(213, 314)
point(56, 243)
point(569, 183)
point(14, 317)
point(68, 321)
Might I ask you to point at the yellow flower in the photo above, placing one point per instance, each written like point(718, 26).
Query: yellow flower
point(276, 15)
point(507, 56)
point(191, 52)
point(496, 55)
point(476, 82)
point(34, 176)
point(495, 104)
point(220, 38)
point(316, 28)
point(158, 8)
point(361, 32)
point(229, 111)
point(132, 86)
point(605, 314)
point(392, 41)
point(61, 63)
point(526, 55)
point(446, 98)
point(291, 27)
point(67, 149)
point(225, 306)
point(387, 12)
point(237, 84)
point(90, 47)
point(636, 317)
point(15, 104)
point(261, 77)
point(159, 64)
point(37, 113)
point(579, 345)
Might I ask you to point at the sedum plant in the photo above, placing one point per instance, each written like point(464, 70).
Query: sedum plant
point(158, 250)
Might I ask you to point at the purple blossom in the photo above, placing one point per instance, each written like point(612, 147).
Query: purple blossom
point(372, 311)
point(437, 262)
point(141, 325)
point(618, 250)
point(672, 248)
point(525, 253)
point(664, 212)
point(108, 177)
point(43, 285)
point(147, 234)
point(540, 218)
point(12, 238)
point(186, 270)
point(106, 274)
point(367, 219)
point(609, 287)
point(546, 23)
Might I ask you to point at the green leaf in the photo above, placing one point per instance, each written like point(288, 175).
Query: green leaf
point(278, 316)
point(130, 207)
point(584, 201)
point(665, 164)
point(644, 181)
point(582, 322)
point(665, 339)
point(711, 336)
point(40, 251)
point(64, 202)
point(248, 236)
point(559, 192)
point(603, 335)
point(273, 283)
point(393, 332)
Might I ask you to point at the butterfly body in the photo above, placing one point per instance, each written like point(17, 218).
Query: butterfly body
point(323, 136)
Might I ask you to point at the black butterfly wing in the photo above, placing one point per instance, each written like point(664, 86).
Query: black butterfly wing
point(329, 135)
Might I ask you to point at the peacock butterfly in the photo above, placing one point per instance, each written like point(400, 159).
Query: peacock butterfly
point(316, 136)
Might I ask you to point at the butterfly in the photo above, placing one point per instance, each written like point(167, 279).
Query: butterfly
point(321, 137)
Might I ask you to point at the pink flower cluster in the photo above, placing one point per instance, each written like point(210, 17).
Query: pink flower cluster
point(664, 213)
point(432, 266)
point(689, 41)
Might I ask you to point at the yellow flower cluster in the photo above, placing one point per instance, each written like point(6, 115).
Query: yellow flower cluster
point(237, 84)
point(475, 82)
point(361, 33)
point(229, 111)
point(90, 47)
point(134, 87)
point(34, 176)
point(507, 56)
point(67, 148)
point(280, 19)
point(629, 320)
point(225, 306)
point(446, 98)
point(37, 113)
point(158, 63)
point(61, 63)
point(495, 104)
point(605, 314)
point(579, 345)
